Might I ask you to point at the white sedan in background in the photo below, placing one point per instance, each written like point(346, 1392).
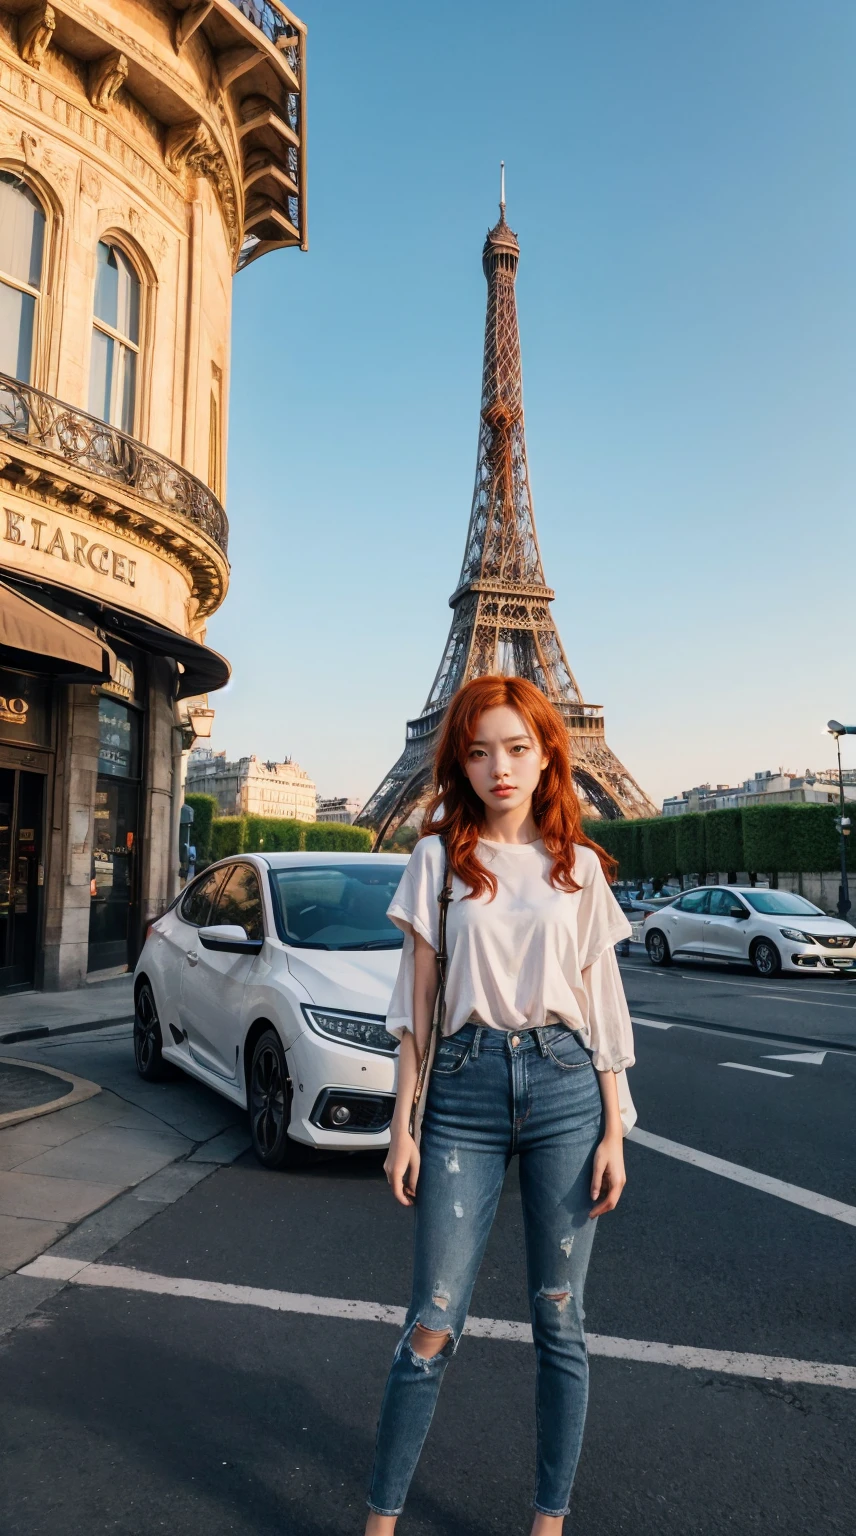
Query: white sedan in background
point(269, 979)
point(769, 929)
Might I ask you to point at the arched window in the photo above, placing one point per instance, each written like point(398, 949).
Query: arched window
point(115, 339)
point(22, 245)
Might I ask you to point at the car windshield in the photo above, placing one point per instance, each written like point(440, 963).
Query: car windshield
point(338, 906)
point(781, 904)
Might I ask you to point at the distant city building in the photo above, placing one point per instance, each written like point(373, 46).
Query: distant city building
point(767, 788)
point(251, 786)
point(337, 809)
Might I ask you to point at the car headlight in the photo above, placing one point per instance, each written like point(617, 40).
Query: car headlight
point(366, 1031)
point(794, 933)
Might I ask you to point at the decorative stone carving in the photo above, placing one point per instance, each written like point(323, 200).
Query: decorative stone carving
point(190, 147)
point(35, 33)
point(106, 76)
point(149, 237)
point(90, 182)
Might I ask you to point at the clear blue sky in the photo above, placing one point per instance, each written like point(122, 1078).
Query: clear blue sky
point(681, 180)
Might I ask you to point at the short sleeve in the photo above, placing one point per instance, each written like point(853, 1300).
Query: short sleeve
point(601, 924)
point(414, 909)
point(415, 906)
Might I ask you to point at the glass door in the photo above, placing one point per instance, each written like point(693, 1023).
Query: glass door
point(113, 886)
point(21, 862)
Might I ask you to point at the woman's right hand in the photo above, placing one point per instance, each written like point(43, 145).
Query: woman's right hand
point(402, 1166)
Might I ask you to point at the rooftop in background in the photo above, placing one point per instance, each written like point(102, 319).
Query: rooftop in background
point(764, 788)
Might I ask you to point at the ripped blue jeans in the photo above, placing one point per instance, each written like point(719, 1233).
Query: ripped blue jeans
point(493, 1094)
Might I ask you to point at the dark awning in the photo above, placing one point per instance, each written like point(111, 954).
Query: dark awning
point(201, 669)
point(32, 639)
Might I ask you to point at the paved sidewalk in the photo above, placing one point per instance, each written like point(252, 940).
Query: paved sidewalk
point(59, 1168)
point(32, 1015)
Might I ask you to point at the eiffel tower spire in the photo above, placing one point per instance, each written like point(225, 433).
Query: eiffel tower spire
point(501, 620)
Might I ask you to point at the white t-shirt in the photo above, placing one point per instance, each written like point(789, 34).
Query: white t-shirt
point(534, 955)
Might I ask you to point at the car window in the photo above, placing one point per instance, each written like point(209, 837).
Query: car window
point(781, 904)
point(694, 901)
point(240, 901)
point(724, 904)
point(197, 899)
point(338, 906)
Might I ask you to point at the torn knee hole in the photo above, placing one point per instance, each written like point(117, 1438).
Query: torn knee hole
point(428, 1342)
point(559, 1298)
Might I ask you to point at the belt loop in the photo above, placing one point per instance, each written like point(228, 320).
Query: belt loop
point(539, 1039)
point(474, 1053)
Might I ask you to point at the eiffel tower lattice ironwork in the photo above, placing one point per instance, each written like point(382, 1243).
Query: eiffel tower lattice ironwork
point(501, 606)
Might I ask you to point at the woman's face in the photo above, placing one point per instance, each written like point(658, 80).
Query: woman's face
point(505, 760)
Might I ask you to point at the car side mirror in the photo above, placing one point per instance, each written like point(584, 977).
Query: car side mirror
point(738, 912)
point(229, 939)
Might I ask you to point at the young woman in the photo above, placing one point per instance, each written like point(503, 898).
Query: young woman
point(536, 1037)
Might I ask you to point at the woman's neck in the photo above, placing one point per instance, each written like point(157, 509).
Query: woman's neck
point(517, 826)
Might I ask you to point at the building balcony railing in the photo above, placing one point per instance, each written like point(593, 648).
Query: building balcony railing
point(269, 18)
point(60, 431)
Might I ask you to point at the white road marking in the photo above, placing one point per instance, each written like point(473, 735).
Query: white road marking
point(741, 1066)
point(651, 1023)
point(758, 989)
point(116, 1277)
point(812, 1058)
point(811, 1201)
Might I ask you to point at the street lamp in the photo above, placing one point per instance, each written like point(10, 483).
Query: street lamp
point(836, 729)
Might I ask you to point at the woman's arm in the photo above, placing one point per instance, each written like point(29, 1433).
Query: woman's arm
point(402, 1160)
point(608, 1176)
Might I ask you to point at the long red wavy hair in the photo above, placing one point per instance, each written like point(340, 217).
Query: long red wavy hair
point(455, 810)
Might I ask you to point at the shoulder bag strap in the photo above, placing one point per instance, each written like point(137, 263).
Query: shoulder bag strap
point(426, 1058)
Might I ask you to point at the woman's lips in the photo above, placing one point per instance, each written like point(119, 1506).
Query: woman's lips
point(503, 790)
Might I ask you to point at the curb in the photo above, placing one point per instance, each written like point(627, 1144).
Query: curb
point(42, 1032)
point(81, 1089)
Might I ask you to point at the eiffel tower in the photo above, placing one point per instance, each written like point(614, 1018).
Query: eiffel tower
point(501, 619)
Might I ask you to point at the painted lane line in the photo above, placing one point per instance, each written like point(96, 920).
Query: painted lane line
point(741, 1066)
point(822, 1205)
point(759, 991)
point(651, 1023)
point(116, 1277)
point(811, 1058)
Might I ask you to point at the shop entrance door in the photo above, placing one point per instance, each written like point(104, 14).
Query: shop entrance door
point(22, 798)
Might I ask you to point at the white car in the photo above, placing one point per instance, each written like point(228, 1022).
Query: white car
point(769, 929)
point(269, 979)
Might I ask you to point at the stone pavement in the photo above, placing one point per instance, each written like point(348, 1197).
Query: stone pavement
point(30, 1015)
point(60, 1166)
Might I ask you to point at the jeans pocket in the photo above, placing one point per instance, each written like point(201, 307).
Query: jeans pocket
point(567, 1053)
point(450, 1058)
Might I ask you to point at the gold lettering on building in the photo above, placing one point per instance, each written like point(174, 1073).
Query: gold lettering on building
point(13, 527)
point(64, 544)
point(14, 711)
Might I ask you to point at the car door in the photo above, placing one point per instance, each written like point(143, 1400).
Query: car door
point(176, 934)
point(725, 930)
point(686, 933)
point(212, 983)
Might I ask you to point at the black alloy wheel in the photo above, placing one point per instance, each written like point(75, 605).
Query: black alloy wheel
point(148, 1040)
point(657, 947)
point(270, 1103)
point(766, 958)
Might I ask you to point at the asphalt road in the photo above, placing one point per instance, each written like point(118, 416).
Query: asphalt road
point(133, 1411)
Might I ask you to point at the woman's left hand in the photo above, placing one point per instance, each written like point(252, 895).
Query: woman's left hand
point(608, 1176)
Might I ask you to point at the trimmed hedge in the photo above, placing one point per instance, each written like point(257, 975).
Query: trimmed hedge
point(204, 809)
point(723, 836)
point(278, 834)
point(765, 839)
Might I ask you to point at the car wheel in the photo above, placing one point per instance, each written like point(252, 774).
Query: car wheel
point(657, 947)
point(148, 1040)
point(270, 1103)
point(765, 958)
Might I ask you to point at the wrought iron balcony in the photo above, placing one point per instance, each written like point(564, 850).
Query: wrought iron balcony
point(60, 431)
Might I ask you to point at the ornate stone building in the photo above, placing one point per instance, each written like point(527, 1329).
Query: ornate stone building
point(252, 787)
point(147, 152)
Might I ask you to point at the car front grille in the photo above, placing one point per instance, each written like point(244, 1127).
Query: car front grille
point(834, 940)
